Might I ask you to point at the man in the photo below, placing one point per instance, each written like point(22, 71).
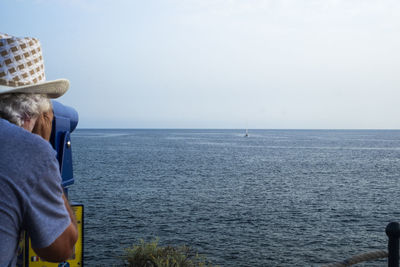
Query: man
point(31, 196)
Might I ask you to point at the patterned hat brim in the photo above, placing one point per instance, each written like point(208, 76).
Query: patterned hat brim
point(53, 89)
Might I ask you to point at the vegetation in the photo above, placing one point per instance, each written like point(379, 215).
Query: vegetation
point(151, 255)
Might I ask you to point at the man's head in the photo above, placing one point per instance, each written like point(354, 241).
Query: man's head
point(24, 91)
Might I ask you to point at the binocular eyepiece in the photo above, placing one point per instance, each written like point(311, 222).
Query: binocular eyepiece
point(68, 113)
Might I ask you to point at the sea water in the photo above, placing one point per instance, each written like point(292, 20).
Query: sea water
point(275, 198)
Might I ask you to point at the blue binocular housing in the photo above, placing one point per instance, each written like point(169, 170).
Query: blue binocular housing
point(65, 121)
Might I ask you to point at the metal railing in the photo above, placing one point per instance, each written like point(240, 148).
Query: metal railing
point(393, 232)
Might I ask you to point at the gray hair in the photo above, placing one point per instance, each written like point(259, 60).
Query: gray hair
point(19, 107)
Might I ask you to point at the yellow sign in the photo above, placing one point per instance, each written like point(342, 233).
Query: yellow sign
point(30, 259)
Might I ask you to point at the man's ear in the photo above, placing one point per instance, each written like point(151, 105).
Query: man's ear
point(29, 124)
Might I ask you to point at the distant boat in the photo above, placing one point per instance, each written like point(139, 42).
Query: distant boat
point(247, 133)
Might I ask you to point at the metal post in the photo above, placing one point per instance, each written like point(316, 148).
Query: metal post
point(393, 232)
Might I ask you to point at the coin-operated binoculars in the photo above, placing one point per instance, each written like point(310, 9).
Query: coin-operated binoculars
point(64, 123)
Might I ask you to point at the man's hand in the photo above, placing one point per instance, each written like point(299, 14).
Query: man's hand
point(43, 125)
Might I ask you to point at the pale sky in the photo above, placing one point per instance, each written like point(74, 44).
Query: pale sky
point(270, 64)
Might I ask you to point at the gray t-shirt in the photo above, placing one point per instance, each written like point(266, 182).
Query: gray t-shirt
point(30, 192)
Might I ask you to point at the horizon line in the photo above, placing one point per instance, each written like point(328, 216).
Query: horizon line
point(242, 129)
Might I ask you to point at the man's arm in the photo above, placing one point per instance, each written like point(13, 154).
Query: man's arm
point(62, 248)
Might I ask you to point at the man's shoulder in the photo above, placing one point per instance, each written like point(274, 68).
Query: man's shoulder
point(16, 138)
point(26, 158)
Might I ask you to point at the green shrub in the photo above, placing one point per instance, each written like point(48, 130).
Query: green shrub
point(151, 255)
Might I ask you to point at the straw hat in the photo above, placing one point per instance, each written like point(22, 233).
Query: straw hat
point(22, 68)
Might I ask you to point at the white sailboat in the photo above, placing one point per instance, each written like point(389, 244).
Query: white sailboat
point(247, 133)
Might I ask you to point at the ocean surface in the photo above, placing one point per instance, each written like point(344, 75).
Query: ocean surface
point(276, 198)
